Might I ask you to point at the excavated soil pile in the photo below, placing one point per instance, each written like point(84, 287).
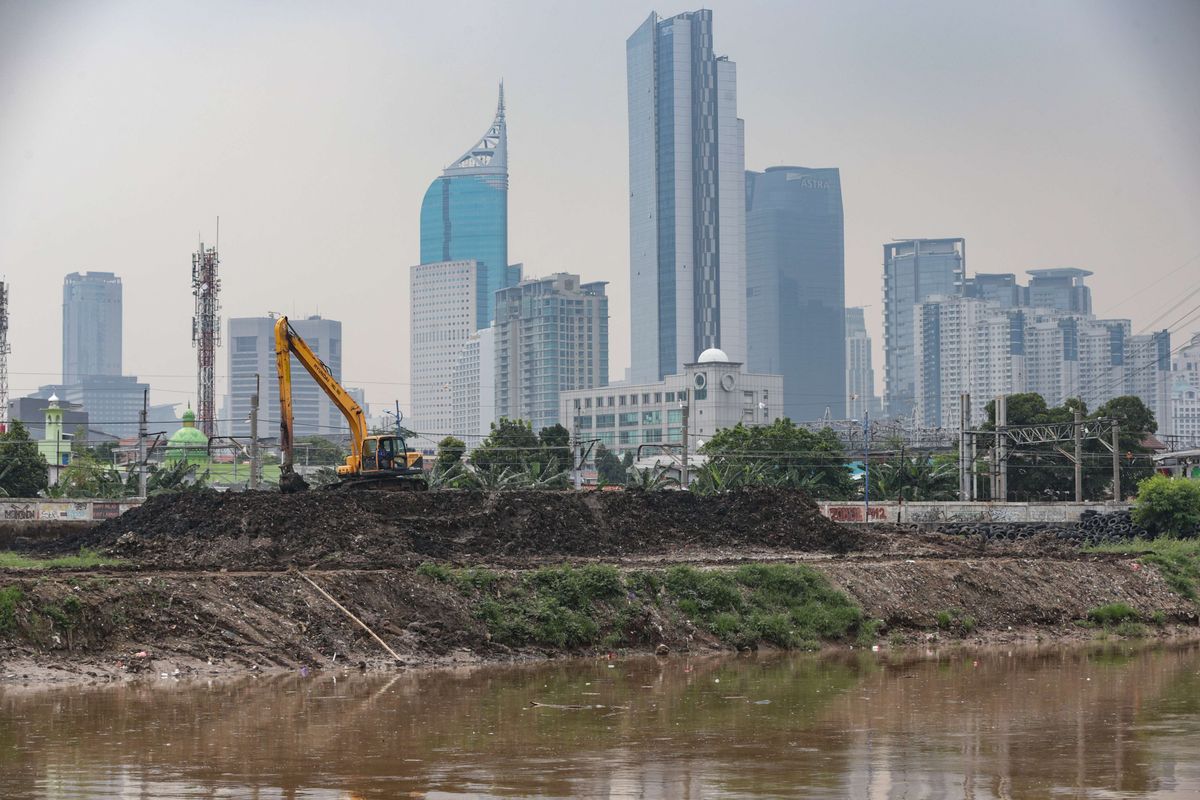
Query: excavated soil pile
point(380, 529)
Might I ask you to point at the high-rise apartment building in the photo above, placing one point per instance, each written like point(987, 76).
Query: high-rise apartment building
point(251, 350)
point(1062, 289)
point(91, 326)
point(472, 393)
point(464, 216)
point(1185, 364)
point(686, 197)
point(1148, 374)
point(963, 345)
point(443, 317)
point(796, 286)
point(860, 373)
point(913, 271)
point(551, 335)
point(966, 344)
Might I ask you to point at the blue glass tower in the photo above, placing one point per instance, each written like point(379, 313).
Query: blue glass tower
point(464, 215)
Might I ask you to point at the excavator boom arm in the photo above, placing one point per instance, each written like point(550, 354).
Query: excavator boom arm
point(287, 344)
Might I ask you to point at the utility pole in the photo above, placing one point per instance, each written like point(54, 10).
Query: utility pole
point(867, 465)
point(253, 434)
point(1078, 429)
point(141, 465)
point(1001, 467)
point(576, 457)
point(964, 422)
point(1116, 454)
point(683, 467)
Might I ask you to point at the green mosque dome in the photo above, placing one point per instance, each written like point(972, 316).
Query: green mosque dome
point(189, 442)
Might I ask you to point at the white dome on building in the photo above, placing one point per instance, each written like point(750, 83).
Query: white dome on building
point(713, 355)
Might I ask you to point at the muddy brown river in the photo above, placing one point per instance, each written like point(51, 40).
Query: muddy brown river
point(1102, 722)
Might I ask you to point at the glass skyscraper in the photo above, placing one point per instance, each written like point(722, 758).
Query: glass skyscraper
point(686, 197)
point(913, 271)
point(796, 286)
point(464, 216)
point(91, 320)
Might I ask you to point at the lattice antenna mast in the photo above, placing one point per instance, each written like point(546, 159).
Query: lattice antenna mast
point(206, 334)
point(5, 349)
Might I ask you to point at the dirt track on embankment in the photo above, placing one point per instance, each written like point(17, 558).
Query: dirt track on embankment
point(211, 584)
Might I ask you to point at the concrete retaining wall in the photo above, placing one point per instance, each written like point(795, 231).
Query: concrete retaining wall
point(13, 511)
point(890, 511)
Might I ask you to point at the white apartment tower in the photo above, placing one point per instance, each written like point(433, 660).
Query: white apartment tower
point(443, 299)
point(473, 395)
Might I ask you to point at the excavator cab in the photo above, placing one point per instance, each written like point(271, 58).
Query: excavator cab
point(386, 454)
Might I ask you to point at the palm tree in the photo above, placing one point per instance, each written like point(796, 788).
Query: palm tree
point(650, 479)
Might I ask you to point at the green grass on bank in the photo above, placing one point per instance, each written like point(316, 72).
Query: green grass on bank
point(596, 605)
point(1177, 559)
point(86, 558)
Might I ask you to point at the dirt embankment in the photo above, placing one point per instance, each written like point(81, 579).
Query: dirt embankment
point(208, 530)
point(208, 581)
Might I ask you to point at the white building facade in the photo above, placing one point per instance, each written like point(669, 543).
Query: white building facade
point(443, 297)
point(717, 391)
point(472, 388)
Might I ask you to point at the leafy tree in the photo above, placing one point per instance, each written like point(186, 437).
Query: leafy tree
point(23, 471)
point(1136, 422)
point(180, 477)
point(608, 467)
point(556, 445)
point(1168, 505)
point(319, 451)
point(511, 443)
point(85, 476)
point(449, 453)
point(627, 459)
point(1043, 472)
point(786, 455)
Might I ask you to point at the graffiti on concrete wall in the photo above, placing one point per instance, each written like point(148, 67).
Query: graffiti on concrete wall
point(855, 513)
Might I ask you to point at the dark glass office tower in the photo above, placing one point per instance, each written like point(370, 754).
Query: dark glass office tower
point(796, 286)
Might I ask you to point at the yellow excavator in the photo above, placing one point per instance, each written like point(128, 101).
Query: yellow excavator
point(380, 461)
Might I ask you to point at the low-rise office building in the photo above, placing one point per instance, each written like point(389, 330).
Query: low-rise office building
point(715, 392)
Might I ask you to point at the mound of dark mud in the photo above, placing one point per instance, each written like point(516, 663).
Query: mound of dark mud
point(366, 529)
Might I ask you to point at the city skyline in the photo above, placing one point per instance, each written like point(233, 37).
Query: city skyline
point(304, 243)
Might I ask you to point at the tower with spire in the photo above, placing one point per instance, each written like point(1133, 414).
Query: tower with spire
point(464, 216)
point(464, 262)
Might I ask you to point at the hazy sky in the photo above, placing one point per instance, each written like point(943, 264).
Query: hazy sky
point(1048, 134)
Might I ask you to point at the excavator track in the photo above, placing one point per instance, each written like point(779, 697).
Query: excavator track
point(380, 483)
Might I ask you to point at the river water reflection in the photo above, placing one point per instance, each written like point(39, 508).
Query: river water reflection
point(1115, 722)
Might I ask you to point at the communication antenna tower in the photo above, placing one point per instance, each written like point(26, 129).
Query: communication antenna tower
point(5, 349)
point(206, 332)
